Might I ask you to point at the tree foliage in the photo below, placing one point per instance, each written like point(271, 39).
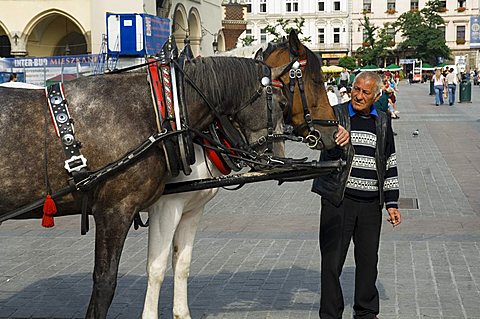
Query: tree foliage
point(282, 28)
point(377, 44)
point(422, 38)
point(248, 40)
point(347, 62)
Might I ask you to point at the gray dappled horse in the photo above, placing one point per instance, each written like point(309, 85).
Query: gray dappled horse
point(113, 114)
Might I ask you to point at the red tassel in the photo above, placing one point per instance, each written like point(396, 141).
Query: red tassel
point(49, 209)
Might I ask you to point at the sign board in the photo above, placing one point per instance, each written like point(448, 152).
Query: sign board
point(407, 61)
point(40, 70)
point(136, 34)
point(475, 32)
point(333, 55)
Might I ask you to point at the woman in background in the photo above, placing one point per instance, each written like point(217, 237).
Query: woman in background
point(439, 86)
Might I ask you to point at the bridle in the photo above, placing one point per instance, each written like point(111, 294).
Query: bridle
point(314, 137)
point(235, 136)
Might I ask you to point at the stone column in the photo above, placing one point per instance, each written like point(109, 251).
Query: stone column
point(18, 44)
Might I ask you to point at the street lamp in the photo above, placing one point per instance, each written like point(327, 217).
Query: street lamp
point(215, 43)
point(15, 38)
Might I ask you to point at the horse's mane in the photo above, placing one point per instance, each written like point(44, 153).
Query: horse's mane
point(314, 65)
point(246, 52)
point(229, 80)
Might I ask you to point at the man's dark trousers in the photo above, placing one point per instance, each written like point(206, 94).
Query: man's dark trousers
point(362, 221)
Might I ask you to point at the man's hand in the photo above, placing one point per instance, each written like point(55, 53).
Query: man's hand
point(395, 217)
point(343, 137)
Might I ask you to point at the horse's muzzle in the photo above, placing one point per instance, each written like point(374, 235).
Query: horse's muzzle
point(314, 140)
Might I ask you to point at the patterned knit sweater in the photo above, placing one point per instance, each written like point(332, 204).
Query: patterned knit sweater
point(363, 182)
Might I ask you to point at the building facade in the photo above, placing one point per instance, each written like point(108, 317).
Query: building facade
point(456, 14)
point(326, 23)
point(335, 30)
point(70, 27)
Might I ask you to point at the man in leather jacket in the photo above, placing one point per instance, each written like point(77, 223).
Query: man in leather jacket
point(353, 199)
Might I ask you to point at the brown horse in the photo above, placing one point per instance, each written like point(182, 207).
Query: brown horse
point(174, 218)
point(113, 115)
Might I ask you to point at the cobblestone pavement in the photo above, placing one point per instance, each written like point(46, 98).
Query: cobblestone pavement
point(256, 253)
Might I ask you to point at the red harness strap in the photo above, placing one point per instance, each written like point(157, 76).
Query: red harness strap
point(160, 86)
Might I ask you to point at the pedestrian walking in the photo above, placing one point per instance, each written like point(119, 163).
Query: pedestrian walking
point(353, 198)
point(344, 94)
point(439, 86)
point(397, 78)
point(451, 81)
point(344, 77)
point(332, 97)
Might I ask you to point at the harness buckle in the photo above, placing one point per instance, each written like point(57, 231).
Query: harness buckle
point(298, 73)
point(262, 140)
point(292, 74)
point(308, 118)
point(75, 163)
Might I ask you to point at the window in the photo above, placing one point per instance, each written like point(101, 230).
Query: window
point(249, 5)
point(367, 5)
point(390, 4)
point(336, 5)
point(263, 5)
point(461, 3)
point(413, 4)
point(292, 5)
point(461, 33)
point(321, 6)
point(336, 35)
point(443, 4)
point(442, 28)
point(391, 32)
point(364, 35)
point(263, 36)
point(321, 35)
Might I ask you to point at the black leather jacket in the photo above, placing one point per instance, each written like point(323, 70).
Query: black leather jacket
point(332, 186)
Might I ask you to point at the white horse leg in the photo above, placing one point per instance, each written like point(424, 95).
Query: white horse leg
point(181, 258)
point(164, 217)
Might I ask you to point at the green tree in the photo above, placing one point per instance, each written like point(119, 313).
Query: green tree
point(377, 44)
point(282, 28)
point(248, 40)
point(347, 62)
point(422, 37)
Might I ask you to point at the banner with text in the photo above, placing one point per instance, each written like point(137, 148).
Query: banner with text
point(475, 32)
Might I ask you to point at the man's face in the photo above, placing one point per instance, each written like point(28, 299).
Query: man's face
point(364, 94)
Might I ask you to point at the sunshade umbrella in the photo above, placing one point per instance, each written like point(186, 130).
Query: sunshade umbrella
point(370, 67)
point(332, 69)
point(427, 67)
point(392, 67)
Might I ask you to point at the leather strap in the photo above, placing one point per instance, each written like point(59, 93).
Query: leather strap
point(76, 163)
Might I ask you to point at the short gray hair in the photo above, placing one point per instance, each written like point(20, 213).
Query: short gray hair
point(372, 76)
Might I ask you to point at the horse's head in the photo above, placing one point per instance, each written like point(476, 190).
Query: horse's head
point(241, 93)
point(320, 126)
point(262, 114)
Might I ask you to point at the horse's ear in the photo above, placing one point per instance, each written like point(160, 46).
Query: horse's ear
point(259, 55)
point(294, 42)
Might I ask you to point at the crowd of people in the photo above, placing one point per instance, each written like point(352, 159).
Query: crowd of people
point(387, 101)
